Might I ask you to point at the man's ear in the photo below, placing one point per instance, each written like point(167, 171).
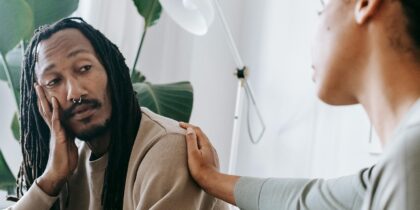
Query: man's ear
point(365, 9)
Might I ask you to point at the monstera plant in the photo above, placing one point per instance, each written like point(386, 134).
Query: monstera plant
point(19, 18)
point(171, 100)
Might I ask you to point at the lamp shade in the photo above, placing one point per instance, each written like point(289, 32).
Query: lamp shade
point(195, 16)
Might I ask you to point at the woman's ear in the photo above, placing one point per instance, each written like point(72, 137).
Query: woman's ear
point(365, 9)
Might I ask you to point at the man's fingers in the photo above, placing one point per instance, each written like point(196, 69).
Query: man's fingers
point(55, 119)
point(41, 111)
point(40, 108)
point(45, 107)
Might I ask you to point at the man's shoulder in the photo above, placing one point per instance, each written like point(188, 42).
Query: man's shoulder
point(158, 123)
point(158, 168)
point(154, 129)
point(156, 134)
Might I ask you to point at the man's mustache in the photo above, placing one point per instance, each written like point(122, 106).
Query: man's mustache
point(69, 112)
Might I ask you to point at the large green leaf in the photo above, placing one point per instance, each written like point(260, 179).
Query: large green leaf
point(14, 61)
point(7, 180)
point(16, 20)
point(3, 76)
point(170, 100)
point(150, 10)
point(15, 126)
point(49, 11)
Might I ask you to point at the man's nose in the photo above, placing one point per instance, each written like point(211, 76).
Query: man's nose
point(75, 90)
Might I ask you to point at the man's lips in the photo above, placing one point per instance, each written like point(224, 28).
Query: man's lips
point(83, 111)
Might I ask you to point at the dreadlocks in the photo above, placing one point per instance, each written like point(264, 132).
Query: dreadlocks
point(124, 123)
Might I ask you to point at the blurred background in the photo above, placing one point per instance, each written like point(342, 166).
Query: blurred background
point(304, 137)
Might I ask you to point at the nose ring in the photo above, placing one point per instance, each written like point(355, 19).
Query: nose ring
point(77, 101)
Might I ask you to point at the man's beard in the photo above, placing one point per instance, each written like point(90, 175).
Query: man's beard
point(91, 133)
point(94, 132)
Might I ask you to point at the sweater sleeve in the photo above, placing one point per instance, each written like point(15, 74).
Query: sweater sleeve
point(267, 194)
point(163, 180)
point(34, 198)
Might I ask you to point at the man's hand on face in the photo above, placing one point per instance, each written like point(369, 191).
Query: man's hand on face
point(63, 155)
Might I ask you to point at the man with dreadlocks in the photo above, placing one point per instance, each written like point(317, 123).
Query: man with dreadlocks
point(86, 143)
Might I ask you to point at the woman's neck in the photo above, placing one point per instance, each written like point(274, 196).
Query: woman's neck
point(392, 87)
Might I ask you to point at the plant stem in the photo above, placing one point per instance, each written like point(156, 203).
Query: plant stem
point(9, 78)
point(138, 51)
point(11, 189)
point(23, 48)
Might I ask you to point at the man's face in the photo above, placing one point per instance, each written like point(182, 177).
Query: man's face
point(68, 69)
point(335, 53)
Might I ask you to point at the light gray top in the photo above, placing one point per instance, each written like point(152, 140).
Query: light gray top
point(393, 183)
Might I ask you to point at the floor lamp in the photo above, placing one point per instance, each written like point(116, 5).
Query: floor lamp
point(196, 16)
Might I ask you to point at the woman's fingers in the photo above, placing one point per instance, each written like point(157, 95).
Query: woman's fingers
point(202, 157)
point(196, 128)
point(216, 158)
point(198, 141)
point(192, 146)
point(202, 139)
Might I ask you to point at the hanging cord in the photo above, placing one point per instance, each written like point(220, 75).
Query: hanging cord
point(251, 102)
point(242, 75)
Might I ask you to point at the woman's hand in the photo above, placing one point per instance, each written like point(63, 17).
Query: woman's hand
point(202, 157)
point(203, 164)
point(63, 155)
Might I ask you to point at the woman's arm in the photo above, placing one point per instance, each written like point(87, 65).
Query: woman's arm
point(256, 193)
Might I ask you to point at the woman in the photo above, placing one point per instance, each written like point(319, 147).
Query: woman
point(367, 52)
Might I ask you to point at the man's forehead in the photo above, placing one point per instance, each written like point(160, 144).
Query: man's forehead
point(62, 44)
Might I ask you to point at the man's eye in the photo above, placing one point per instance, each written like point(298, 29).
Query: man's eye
point(85, 68)
point(52, 83)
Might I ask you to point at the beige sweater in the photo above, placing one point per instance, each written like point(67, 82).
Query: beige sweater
point(157, 176)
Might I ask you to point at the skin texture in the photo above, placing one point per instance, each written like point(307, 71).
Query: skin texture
point(67, 69)
point(361, 47)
